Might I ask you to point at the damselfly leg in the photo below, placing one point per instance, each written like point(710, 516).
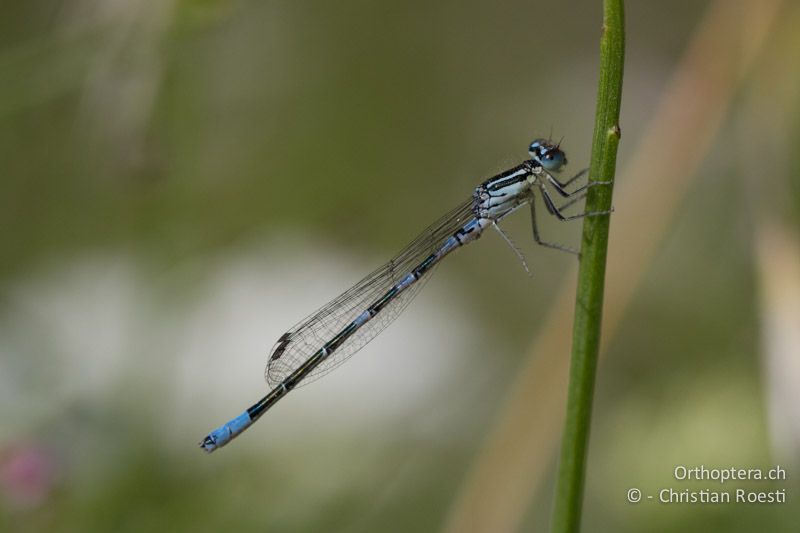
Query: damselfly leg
point(556, 211)
point(513, 246)
point(539, 240)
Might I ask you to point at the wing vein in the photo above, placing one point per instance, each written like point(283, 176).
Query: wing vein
point(306, 337)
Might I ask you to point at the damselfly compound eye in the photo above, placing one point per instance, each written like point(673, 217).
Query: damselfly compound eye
point(547, 154)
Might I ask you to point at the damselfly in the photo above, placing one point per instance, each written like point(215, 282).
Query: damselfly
point(329, 336)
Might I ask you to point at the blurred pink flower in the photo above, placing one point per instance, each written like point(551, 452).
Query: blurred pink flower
point(27, 475)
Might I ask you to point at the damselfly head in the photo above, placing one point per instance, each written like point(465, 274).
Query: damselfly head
point(547, 154)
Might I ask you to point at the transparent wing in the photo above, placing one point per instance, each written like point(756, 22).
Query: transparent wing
point(309, 335)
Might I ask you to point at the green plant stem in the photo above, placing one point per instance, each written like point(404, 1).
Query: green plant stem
point(591, 275)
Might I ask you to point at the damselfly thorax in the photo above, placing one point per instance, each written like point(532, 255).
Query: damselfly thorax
point(498, 196)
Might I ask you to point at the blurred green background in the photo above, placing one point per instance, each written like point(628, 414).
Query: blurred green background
point(184, 180)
